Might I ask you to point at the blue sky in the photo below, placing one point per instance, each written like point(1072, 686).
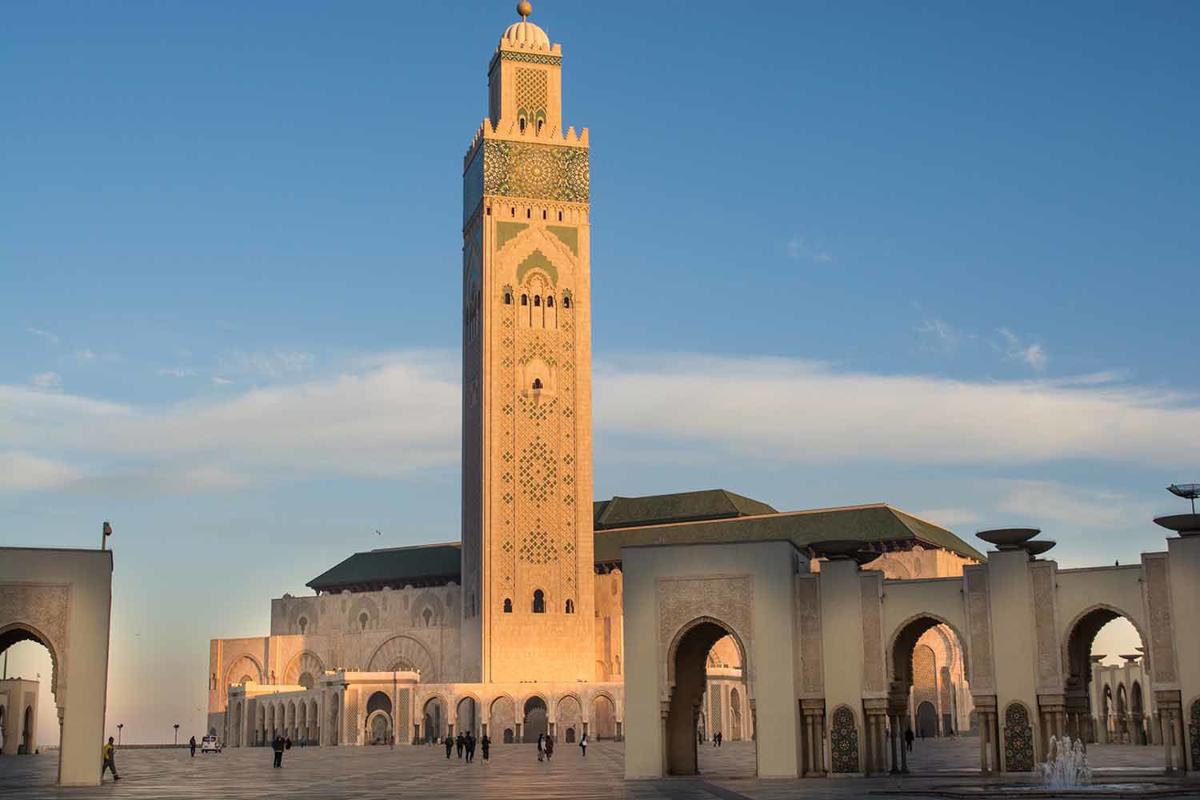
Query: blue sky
point(940, 256)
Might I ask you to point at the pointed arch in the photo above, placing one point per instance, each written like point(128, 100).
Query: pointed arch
point(304, 663)
point(404, 653)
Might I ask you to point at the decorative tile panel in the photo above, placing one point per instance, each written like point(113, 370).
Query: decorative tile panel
point(1018, 739)
point(536, 171)
point(843, 741)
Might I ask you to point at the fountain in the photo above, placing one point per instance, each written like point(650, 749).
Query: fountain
point(1065, 773)
point(1066, 765)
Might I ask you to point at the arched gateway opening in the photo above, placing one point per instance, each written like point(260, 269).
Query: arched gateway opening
point(689, 669)
point(928, 695)
point(379, 719)
point(1107, 666)
point(536, 721)
point(26, 729)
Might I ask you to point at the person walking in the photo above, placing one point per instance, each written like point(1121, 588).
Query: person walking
point(277, 746)
point(449, 745)
point(460, 742)
point(470, 746)
point(485, 745)
point(583, 743)
point(108, 753)
point(908, 739)
point(192, 746)
point(541, 747)
point(549, 747)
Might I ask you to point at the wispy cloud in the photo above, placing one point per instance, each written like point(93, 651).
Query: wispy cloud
point(1071, 507)
point(1015, 348)
point(949, 517)
point(177, 372)
point(270, 364)
point(801, 249)
point(26, 472)
point(47, 335)
point(398, 413)
point(47, 381)
point(85, 356)
point(388, 421)
point(803, 411)
point(938, 336)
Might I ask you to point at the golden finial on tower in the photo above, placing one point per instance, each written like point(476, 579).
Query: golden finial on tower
point(524, 9)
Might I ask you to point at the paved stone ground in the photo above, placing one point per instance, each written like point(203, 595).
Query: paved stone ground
point(373, 773)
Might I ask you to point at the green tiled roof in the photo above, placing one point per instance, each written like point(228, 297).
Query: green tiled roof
point(396, 566)
point(874, 524)
point(706, 517)
point(630, 512)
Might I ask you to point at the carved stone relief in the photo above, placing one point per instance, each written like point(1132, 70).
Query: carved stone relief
point(724, 598)
point(1162, 635)
point(980, 624)
point(1048, 654)
point(808, 608)
point(45, 607)
point(874, 673)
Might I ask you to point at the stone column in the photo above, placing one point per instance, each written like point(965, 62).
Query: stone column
point(813, 713)
point(875, 712)
point(985, 707)
point(1170, 706)
point(894, 727)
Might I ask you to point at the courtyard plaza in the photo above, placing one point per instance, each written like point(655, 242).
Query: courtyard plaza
point(362, 773)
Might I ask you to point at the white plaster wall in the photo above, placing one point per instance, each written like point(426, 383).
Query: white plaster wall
point(1184, 556)
point(1117, 588)
point(1014, 647)
point(770, 662)
point(942, 598)
point(842, 643)
point(84, 675)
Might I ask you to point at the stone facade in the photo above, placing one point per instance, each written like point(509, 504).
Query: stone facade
point(529, 633)
point(18, 716)
point(1024, 626)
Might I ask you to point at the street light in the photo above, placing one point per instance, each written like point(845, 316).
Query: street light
point(119, 726)
point(1188, 491)
point(176, 734)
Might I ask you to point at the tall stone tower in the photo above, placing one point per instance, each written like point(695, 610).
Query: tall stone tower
point(527, 378)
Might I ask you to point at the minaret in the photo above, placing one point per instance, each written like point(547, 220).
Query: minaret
point(527, 378)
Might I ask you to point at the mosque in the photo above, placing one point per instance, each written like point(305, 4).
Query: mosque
point(518, 630)
point(644, 617)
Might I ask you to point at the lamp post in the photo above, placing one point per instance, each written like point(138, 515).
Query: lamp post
point(119, 726)
point(176, 734)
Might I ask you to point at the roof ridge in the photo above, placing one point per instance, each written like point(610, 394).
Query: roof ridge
point(412, 547)
point(748, 517)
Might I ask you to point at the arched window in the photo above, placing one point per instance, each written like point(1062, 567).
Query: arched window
point(427, 615)
point(363, 619)
point(570, 608)
point(540, 123)
point(537, 299)
point(567, 301)
point(537, 383)
point(507, 606)
point(539, 602)
point(303, 624)
point(550, 302)
point(521, 123)
point(524, 299)
point(508, 298)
